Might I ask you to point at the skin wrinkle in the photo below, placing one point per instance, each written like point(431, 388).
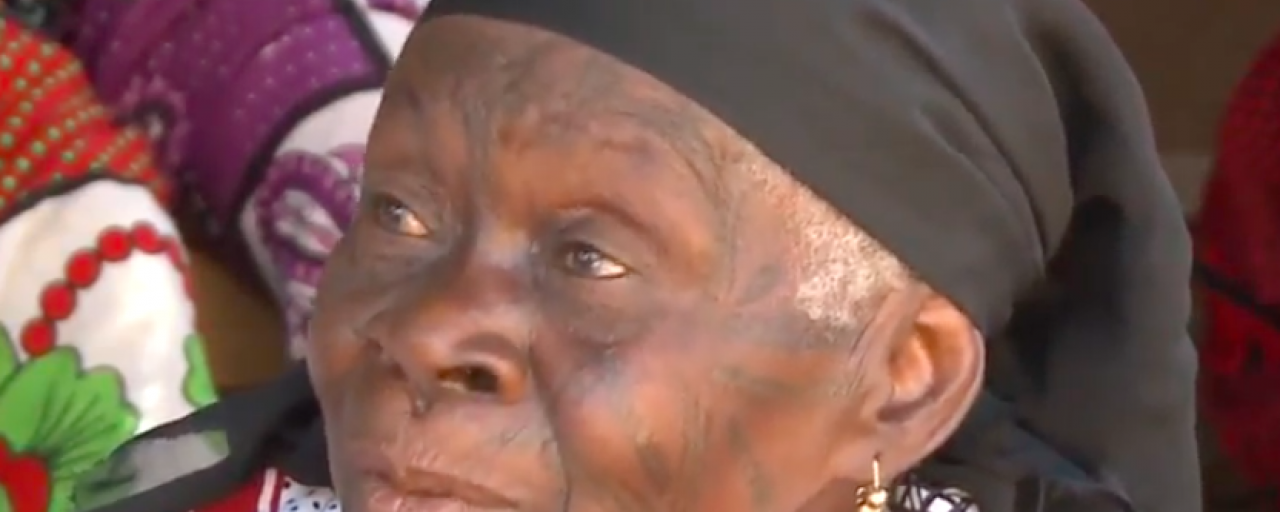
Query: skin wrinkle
point(761, 387)
point(632, 382)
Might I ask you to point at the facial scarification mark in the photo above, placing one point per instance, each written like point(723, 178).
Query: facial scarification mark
point(762, 284)
point(518, 436)
point(696, 429)
point(759, 386)
point(654, 462)
point(590, 490)
point(759, 484)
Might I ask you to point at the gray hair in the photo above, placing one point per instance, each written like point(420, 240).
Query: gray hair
point(845, 273)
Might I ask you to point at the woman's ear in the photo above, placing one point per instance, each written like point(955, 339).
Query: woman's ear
point(934, 373)
point(927, 359)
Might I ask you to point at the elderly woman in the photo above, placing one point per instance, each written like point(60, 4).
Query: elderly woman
point(706, 256)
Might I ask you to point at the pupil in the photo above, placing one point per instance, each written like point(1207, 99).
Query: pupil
point(396, 212)
point(587, 258)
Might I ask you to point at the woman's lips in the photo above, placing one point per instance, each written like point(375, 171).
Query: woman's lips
point(420, 488)
point(384, 496)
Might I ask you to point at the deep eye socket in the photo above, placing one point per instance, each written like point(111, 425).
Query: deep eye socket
point(583, 260)
point(394, 216)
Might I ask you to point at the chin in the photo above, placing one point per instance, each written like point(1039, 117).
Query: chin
point(403, 503)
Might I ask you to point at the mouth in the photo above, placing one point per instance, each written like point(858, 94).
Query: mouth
point(427, 488)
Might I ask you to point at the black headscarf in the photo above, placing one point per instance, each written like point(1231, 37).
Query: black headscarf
point(1001, 148)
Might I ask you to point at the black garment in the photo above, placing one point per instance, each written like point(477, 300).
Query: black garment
point(1002, 149)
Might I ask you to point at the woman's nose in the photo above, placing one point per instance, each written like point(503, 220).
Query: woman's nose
point(469, 338)
point(480, 364)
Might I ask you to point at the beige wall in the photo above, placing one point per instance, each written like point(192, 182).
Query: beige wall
point(1188, 55)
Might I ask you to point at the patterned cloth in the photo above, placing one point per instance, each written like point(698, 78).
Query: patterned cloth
point(273, 491)
point(1238, 253)
point(260, 110)
point(96, 322)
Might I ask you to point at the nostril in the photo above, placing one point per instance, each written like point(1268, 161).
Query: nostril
point(471, 379)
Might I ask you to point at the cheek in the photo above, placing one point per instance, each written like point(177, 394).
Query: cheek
point(637, 416)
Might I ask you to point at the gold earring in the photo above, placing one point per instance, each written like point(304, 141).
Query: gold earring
point(874, 497)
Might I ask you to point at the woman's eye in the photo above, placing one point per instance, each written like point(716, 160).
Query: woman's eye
point(394, 216)
point(584, 260)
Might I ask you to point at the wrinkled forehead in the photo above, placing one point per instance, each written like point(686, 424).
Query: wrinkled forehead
point(497, 82)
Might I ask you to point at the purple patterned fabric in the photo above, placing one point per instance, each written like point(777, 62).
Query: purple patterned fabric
point(300, 210)
point(221, 82)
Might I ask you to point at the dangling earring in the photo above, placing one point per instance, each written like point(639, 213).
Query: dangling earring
point(874, 497)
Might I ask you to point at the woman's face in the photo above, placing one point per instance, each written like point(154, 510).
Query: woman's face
point(554, 298)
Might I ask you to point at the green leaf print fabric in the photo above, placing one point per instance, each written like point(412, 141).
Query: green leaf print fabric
point(197, 386)
point(56, 420)
point(59, 419)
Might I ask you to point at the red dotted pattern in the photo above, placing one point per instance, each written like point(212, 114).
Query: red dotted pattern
point(53, 127)
point(59, 299)
point(1238, 239)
